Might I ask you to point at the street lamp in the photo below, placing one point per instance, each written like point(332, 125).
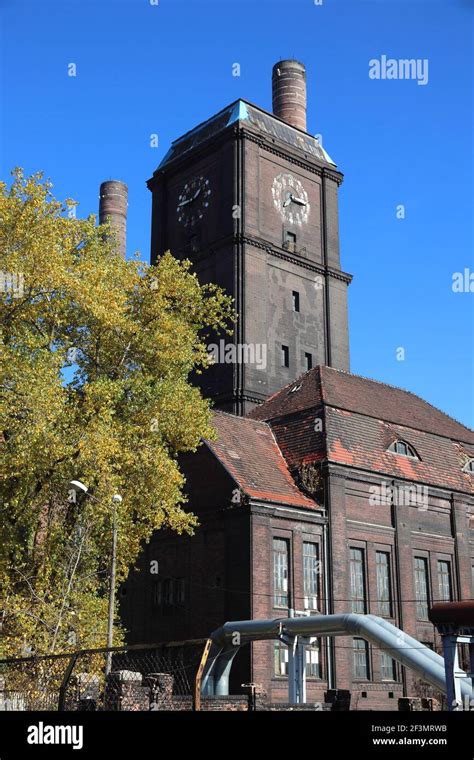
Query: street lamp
point(116, 499)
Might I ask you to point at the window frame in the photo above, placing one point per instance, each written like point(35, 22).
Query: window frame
point(410, 453)
point(448, 562)
point(424, 556)
point(314, 646)
point(280, 655)
point(384, 550)
point(355, 649)
point(277, 593)
point(394, 669)
point(309, 595)
point(358, 605)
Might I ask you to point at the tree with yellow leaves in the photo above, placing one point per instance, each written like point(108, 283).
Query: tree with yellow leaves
point(95, 356)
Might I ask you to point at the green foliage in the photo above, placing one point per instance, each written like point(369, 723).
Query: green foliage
point(95, 355)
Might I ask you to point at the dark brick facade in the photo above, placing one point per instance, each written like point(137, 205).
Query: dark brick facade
point(246, 495)
point(241, 245)
point(304, 466)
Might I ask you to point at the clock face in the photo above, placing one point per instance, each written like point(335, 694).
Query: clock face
point(291, 199)
point(193, 201)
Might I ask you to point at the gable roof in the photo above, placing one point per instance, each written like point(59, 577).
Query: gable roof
point(360, 419)
point(249, 452)
point(332, 387)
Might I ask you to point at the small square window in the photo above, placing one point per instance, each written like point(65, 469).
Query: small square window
point(296, 301)
point(308, 358)
point(193, 243)
point(290, 241)
point(285, 356)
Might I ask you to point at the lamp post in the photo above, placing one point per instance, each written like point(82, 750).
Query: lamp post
point(116, 499)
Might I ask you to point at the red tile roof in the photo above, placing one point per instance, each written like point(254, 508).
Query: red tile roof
point(250, 454)
point(332, 387)
point(361, 418)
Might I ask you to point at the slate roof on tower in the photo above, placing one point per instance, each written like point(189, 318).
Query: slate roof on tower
point(245, 112)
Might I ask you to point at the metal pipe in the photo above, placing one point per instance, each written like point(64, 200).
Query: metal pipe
point(402, 647)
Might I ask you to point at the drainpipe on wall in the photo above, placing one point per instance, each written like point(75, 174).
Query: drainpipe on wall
point(331, 684)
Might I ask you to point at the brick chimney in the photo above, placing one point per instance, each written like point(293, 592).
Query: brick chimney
point(113, 209)
point(289, 92)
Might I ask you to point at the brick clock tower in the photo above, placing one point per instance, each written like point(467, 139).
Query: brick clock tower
point(251, 198)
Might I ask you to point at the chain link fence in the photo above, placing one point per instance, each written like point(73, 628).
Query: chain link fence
point(154, 677)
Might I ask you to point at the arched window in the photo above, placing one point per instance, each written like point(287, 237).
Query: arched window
point(403, 448)
point(469, 466)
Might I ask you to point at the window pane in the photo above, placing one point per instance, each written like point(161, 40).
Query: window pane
point(357, 580)
point(388, 668)
point(313, 663)
point(280, 659)
point(444, 579)
point(361, 659)
point(280, 572)
point(382, 560)
point(421, 588)
point(311, 575)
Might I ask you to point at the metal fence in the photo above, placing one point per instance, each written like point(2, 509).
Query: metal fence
point(153, 677)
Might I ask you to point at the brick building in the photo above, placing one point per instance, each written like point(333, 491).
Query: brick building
point(324, 491)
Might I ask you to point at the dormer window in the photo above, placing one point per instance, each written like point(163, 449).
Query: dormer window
point(469, 466)
point(403, 448)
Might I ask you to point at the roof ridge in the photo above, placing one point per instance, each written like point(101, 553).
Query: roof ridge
point(239, 417)
point(398, 388)
point(292, 382)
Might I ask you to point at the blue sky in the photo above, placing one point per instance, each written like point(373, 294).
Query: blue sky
point(144, 69)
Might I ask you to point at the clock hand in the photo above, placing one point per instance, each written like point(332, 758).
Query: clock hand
point(300, 201)
point(288, 200)
point(185, 202)
point(196, 194)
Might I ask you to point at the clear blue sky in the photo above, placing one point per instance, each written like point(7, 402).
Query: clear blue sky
point(162, 69)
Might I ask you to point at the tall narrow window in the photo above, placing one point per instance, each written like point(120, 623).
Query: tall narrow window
point(421, 588)
point(384, 600)
point(280, 572)
point(285, 356)
point(296, 300)
point(444, 581)
point(311, 567)
point(388, 667)
point(168, 592)
point(280, 656)
point(357, 580)
point(313, 659)
point(157, 588)
point(361, 659)
point(308, 359)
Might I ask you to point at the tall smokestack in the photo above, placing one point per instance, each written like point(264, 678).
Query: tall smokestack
point(113, 209)
point(289, 92)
